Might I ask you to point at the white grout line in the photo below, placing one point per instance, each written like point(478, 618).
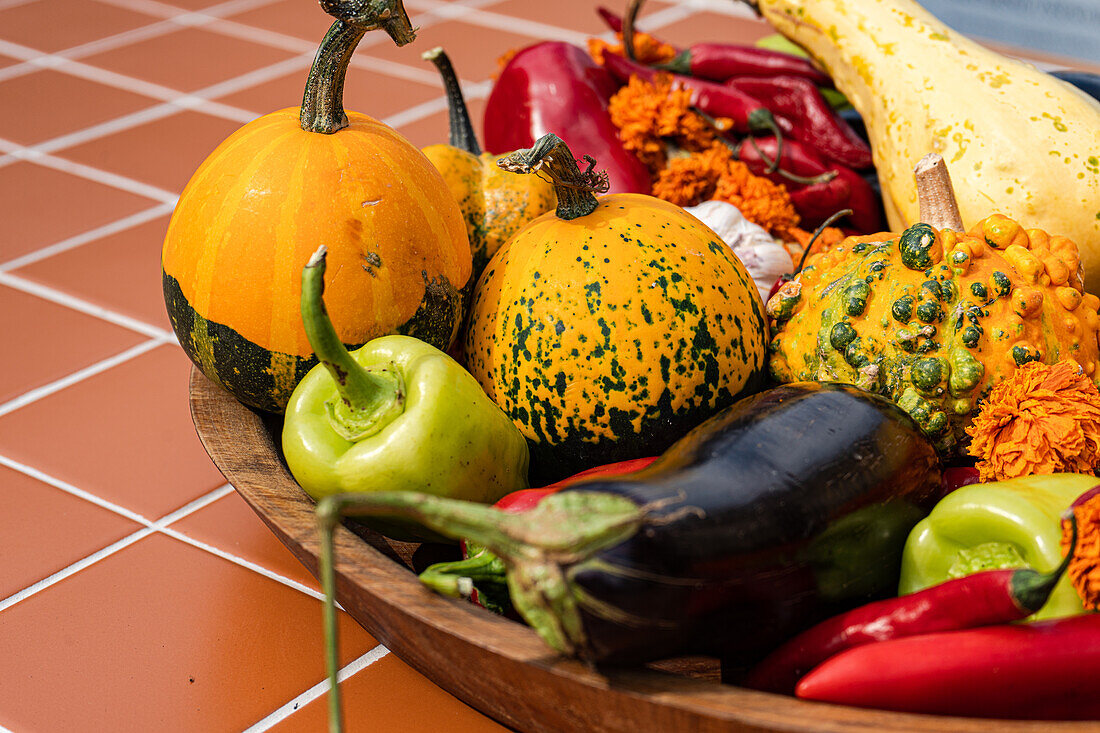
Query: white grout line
point(5, 4)
point(71, 301)
point(70, 489)
point(78, 376)
point(150, 528)
point(535, 29)
point(243, 563)
point(86, 171)
point(317, 690)
point(119, 225)
point(76, 567)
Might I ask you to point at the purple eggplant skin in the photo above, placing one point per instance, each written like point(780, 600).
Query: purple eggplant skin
point(784, 509)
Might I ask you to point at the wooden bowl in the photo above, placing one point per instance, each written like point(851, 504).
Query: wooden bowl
point(499, 666)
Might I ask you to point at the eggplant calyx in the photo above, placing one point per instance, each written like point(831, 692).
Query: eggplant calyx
point(535, 546)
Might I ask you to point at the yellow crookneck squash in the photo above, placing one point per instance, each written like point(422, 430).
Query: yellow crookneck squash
point(284, 184)
point(610, 327)
point(1018, 141)
point(496, 204)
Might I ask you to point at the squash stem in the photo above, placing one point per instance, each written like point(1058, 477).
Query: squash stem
point(575, 188)
point(323, 101)
point(370, 399)
point(462, 130)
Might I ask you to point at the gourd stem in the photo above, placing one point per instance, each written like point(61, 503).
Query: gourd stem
point(575, 188)
point(632, 10)
point(462, 130)
point(369, 399)
point(323, 101)
point(936, 195)
point(816, 234)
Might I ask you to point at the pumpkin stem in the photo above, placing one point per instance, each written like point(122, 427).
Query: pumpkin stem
point(462, 130)
point(370, 399)
point(575, 188)
point(936, 195)
point(323, 100)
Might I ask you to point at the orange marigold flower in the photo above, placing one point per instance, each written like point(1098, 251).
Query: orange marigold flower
point(650, 117)
point(1084, 567)
point(647, 49)
point(1043, 419)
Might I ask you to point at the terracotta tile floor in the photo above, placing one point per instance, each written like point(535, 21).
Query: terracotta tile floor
point(137, 591)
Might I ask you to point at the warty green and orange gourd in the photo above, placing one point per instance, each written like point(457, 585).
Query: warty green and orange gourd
point(284, 184)
point(607, 328)
point(495, 203)
point(933, 317)
point(1019, 141)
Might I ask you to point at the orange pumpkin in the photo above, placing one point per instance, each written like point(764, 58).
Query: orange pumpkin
point(258, 207)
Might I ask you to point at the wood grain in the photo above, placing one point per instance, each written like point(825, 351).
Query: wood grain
point(499, 666)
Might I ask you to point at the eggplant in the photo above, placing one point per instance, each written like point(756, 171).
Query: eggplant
point(787, 507)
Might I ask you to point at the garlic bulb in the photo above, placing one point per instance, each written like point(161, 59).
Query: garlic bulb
point(763, 257)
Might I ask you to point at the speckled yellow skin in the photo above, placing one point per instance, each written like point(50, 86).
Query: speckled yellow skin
point(608, 336)
point(495, 204)
point(935, 330)
point(261, 204)
point(1015, 140)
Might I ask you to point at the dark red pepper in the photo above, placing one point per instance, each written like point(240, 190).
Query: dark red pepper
point(612, 20)
point(816, 202)
point(554, 86)
point(815, 121)
point(982, 599)
point(1048, 670)
point(720, 61)
point(716, 100)
point(956, 477)
point(525, 499)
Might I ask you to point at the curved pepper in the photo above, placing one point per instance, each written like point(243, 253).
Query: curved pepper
point(1005, 524)
point(395, 414)
point(555, 86)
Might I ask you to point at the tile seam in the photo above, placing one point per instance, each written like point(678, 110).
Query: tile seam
point(313, 693)
point(68, 300)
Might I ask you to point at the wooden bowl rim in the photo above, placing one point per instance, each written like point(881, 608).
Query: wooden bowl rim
point(435, 634)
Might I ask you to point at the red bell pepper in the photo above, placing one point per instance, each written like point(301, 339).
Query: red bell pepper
point(1047, 670)
point(557, 87)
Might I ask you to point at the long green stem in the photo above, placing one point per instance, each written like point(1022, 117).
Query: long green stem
point(326, 523)
point(462, 130)
point(370, 399)
point(575, 188)
point(323, 100)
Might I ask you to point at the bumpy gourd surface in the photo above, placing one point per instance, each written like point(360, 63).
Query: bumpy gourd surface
point(1013, 137)
point(933, 319)
point(496, 204)
point(608, 336)
point(255, 211)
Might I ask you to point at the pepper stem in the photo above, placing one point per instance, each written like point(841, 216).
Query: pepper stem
point(632, 9)
point(575, 188)
point(1031, 589)
point(562, 530)
point(370, 399)
point(462, 130)
point(323, 101)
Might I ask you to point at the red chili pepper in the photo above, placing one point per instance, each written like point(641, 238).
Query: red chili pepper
point(557, 87)
point(981, 599)
point(1048, 670)
point(816, 202)
point(815, 121)
point(716, 100)
point(612, 20)
point(720, 61)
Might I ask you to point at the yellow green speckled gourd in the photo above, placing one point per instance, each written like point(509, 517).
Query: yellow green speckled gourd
point(495, 204)
point(933, 319)
point(610, 327)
